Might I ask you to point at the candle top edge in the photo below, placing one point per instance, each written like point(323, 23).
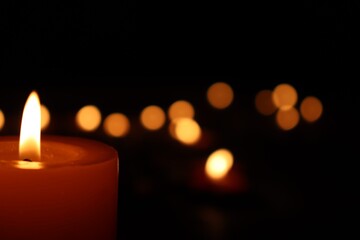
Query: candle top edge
point(57, 151)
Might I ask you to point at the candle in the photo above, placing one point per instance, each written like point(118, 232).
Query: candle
point(219, 174)
point(56, 187)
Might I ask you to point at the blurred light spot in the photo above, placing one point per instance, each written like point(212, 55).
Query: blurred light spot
point(172, 126)
point(181, 109)
point(116, 125)
point(311, 109)
point(152, 117)
point(2, 119)
point(264, 103)
point(284, 96)
point(219, 163)
point(220, 95)
point(287, 119)
point(187, 130)
point(88, 118)
point(45, 117)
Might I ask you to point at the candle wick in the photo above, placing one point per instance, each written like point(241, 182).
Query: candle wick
point(27, 160)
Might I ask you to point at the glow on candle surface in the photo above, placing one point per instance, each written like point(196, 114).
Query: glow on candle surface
point(69, 191)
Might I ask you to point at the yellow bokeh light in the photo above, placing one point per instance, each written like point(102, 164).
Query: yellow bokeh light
point(45, 117)
point(284, 96)
point(152, 117)
point(219, 163)
point(88, 118)
point(287, 119)
point(2, 119)
point(264, 103)
point(171, 128)
point(181, 109)
point(116, 125)
point(220, 95)
point(311, 109)
point(187, 131)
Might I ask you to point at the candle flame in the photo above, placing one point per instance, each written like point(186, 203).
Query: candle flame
point(218, 164)
point(29, 146)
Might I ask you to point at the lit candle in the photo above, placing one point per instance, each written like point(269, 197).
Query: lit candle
point(56, 187)
point(219, 174)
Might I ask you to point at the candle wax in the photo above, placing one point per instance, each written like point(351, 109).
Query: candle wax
point(70, 194)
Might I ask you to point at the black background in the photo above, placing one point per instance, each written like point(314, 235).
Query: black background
point(125, 55)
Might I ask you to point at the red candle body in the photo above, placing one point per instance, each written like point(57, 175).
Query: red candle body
point(72, 195)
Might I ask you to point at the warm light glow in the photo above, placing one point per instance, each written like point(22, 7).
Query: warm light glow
point(311, 109)
point(181, 109)
point(45, 117)
point(29, 145)
point(2, 119)
point(171, 128)
point(284, 96)
point(219, 163)
point(220, 95)
point(29, 165)
point(116, 125)
point(187, 130)
point(287, 119)
point(264, 103)
point(88, 118)
point(152, 117)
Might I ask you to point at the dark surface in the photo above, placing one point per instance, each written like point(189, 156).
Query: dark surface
point(126, 55)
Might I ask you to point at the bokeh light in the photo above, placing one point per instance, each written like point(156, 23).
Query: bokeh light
point(116, 125)
point(311, 109)
point(287, 119)
point(220, 95)
point(181, 109)
point(45, 117)
point(284, 96)
point(171, 128)
point(187, 131)
point(264, 103)
point(152, 117)
point(2, 119)
point(219, 163)
point(88, 118)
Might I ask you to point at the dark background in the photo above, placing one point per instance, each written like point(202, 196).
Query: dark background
point(125, 55)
